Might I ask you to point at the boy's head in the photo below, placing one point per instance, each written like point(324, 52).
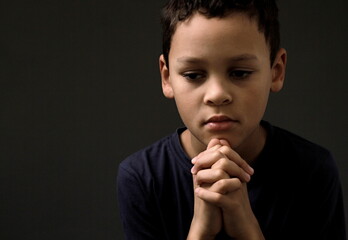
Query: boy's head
point(264, 11)
point(222, 70)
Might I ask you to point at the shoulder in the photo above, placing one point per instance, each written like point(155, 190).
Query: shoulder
point(301, 157)
point(147, 157)
point(137, 173)
point(295, 157)
point(148, 154)
point(302, 176)
point(163, 155)
point(295, 146)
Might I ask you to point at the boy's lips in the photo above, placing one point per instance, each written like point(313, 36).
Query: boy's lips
point(219, 123)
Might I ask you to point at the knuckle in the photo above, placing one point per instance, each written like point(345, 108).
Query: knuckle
point(244, 164)
point(223, 182)
point(223, 163)
point(199, 164)
point(224, 149)
point(198, 178)
point(218, 198)
point(219, 174)
point(217, 154)
point(221, 185)
point(237, 184)
point(205, 186)
point(241, 172)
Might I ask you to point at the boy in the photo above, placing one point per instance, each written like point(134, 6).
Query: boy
point(227, 174)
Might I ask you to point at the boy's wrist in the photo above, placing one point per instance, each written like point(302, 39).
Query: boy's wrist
point(194, 236)
point(253, 232)
point(198, 233)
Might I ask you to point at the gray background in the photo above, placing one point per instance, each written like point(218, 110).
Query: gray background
point(80, 90)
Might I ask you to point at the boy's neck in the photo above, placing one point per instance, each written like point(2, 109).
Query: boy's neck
point(251, 149)
point(191, 149)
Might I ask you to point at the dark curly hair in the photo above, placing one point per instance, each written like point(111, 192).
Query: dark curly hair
point(265, 11)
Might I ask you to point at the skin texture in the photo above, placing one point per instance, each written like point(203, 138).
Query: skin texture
point(222, 196)
point(220, 76)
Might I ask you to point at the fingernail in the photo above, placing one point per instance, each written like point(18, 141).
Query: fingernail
point(197, 190)
point(250, 170)
point(247, 177)
point(193, 170)
point(193, 160)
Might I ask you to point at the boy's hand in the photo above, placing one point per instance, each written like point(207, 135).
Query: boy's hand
point(231, 196)
point(207, 219)
point(219, 161)
point(227, 173)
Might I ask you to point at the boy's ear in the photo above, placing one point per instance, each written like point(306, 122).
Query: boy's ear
point(278, 70)
point(165, 76)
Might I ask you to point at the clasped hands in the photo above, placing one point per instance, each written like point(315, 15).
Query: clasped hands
point(221, 197)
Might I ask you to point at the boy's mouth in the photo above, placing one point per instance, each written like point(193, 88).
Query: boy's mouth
point(219, 123)
point(218, 118)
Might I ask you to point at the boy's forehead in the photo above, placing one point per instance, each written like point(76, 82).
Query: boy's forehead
point(238, 58)
point(235, 35)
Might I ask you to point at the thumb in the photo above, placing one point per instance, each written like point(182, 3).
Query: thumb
point(213, 142)
point(224, 142)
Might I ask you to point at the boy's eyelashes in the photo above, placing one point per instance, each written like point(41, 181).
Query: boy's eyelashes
point(233, 75)
point(192, 76)
point(240, 74)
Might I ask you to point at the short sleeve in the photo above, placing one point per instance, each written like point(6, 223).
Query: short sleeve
point(327, 200)
point(139, 215)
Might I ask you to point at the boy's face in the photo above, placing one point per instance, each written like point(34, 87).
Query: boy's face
point(220, 77)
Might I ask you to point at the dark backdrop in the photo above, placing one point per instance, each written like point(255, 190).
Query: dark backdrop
point(80, 90)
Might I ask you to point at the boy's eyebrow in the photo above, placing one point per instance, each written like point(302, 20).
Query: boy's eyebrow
point(243, 57)
point(238, 58)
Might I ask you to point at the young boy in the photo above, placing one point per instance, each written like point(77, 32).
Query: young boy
point(228, 174)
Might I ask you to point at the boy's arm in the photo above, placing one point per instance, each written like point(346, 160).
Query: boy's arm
point(324, 206)
point(207, 219)
point(228, 177)
point(231, 196)
point(212, 171)
point(139, 218)
point(206, 222)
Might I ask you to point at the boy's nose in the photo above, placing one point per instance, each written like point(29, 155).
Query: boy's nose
point(217, 94)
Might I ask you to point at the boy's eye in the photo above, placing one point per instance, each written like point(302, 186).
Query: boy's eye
point(240, 74)
point(192, 76)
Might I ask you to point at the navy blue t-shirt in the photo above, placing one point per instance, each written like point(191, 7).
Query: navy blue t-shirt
point(295, 192)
